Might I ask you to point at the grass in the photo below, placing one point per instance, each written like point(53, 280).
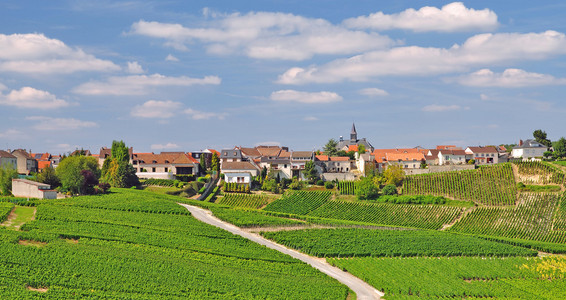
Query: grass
point(560, 163)
point(540, 188)
point(23, 214)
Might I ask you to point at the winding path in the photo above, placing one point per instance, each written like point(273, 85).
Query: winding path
point(362, 289)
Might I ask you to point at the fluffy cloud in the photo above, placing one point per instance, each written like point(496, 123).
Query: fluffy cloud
point(139, 84)
point(451, 17)
point(37, 54)
point(171, 58)
point(135, 68)
point(156, 109)
point(479, 50)
point(60, 124)
point(305, 97)
point(441, 108)
point(28, 97)
point(164, 146)
point(310, 118)
point(266, 35)
point(11, 134)
point(510, 78)
point(201, 115)
point(373, 92)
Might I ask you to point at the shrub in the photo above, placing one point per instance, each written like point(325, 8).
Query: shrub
point(329, 185)
point(320, 182)
point(389, 189)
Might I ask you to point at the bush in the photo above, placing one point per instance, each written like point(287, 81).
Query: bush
point(329, 185)
point(366, 189)
point(320, 182)
point(520, 185)
point(389, 189)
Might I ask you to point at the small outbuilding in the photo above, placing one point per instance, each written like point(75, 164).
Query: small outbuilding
point(30, 189)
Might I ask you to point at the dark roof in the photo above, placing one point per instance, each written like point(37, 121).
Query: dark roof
point(230, 153)
point(353, 129)
point(238, 165)
point(277, 160)
point(530, 144)
point(251, 152)
point(6, 154)
point(453, 152)
point(301, 154)
point(483, 149)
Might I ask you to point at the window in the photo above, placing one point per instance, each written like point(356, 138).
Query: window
point(406, 166)
point(153, 170)
point(166, 169)
point(240, 179)
point(285, 166)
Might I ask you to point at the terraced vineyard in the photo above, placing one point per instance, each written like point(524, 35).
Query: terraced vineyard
point(489, 185)
point(532, 219)
point(5, 209)
point(461, 277)
point(537, 172)
point(347, 187)
point(76, 251)
point(357, 242)
point(243, 200)
point(299, 202)
point(251, 218)
point(407, 215)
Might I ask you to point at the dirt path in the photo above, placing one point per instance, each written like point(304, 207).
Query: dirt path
point(462, 215)
point(13, 219)
point(362, 289)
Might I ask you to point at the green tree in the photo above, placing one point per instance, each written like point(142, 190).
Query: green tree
point(361, 149)
point(69, 172)
point(117, 170)
point(389, 189)
point(394, 175)
point(310, 172)
point(202, 163)
point(215, 163)
point(540, 136)
point(330, 147)
point(48, 176)
point(366, 189)
point(120, 151)
point(6, 176)
point(560, 148)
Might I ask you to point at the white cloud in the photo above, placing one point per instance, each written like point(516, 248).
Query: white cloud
point(171, 58)
point(139, 84)
point(310, 118)
point(201, 115)
point(305, 97)
point(11, 134)
point(266, 35)
point(28, 97)
point(60, 124)
point(157, 109)
point(479, 50)
point(37, 54)
point(3, 87)
point(485, 97)
point(441, 108)
point(134, 68)
point(510, 78)
point(450, 18)
point(164, 146)
point(373, 92)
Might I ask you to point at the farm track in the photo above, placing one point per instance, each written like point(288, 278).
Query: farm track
point(458, 218)
point(362, 289)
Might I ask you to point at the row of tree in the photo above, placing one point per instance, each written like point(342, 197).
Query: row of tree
point(559, 147)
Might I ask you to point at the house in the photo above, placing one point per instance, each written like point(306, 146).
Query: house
point(484, 154)
point(166, 165)
point(407, 160)
point(345, 144)
point(26, 163)
point(529, 149)
point(280, 165)
point(298, 161)
point(431, 157)
point(81, 152)
point(239, 171)
point(453, 157)
point(231, 155)
point(366, 161)
point(334, 164)
point(7, 160)
point(30, 189)
point(43, 160)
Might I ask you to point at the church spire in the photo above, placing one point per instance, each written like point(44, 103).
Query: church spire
point(353, 134)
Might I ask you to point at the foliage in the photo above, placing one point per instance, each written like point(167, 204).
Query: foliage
point(370, 242)
point(48, 176)
point(202, 163)
point(330, 147)
point(538, 188)
point(310, 172)
point(540, 136)
point(366, 189)
point(417, 199)
point(215, 163)
point(328, 185)
point(69, 172)
point(417, 216)
point(163, 182)
point(461, 277)
point(251, 218)
point(539, 173)
point(243, 201)
point(5, 209)
point(296, 184)
point(117, 170)
point(120, 151)
point(389, 189)
point(560, 148)
point(536, 217)
point(347, 187)
point(361, 149)
point(394, 175)
point(299, 202)
point(6, 176)
point(490, 185)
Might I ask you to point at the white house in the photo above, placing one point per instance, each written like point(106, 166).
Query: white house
point(279, 165)
point(528, 149)
point(405, 160)
point(453, 157)
point(484, 155)
point(30, 189)
point(239, 171)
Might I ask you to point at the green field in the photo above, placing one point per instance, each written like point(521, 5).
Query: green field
point(356, 242)
point(536, 172)
point(252, 218)
point(243, 200)
point(299, 202)
point(134, 244)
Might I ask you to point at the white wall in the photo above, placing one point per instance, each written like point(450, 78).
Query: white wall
point(233, 177)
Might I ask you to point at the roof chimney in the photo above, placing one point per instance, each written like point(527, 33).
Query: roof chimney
point(520, 143)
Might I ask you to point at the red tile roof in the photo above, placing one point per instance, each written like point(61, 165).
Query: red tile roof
point(322, 157)
point(405, 156)
point(353, 148)
point(339, 158)
point(487, 149)
point(42, 164)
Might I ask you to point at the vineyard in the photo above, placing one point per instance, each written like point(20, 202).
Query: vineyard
point(347, 187)
point(252, 218)
point(531, 219)
point(299, 202)
point(77, 251)
point(461, 277)
point(368, 242)
point(5, 209)
point(489, 185)
point(537, 172)
point(407, 215)
point(243, 200)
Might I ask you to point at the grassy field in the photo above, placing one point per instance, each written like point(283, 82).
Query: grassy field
point(135, 244)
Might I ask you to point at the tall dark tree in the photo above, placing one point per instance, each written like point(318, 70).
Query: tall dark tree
point(120, 151)
point(69, 172)
point(215, 163)
point(117, 170)
point(310, 172)
point(6, 176)
point(330, 147)
point(540, 136)
point(48, 176)
point(560, 148)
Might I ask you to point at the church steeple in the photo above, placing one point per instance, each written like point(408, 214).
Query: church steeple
point(353, 134)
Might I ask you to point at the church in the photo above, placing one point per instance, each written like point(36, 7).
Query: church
point(353, 142)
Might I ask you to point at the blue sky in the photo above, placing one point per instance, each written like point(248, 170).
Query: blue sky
point(189, 75)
